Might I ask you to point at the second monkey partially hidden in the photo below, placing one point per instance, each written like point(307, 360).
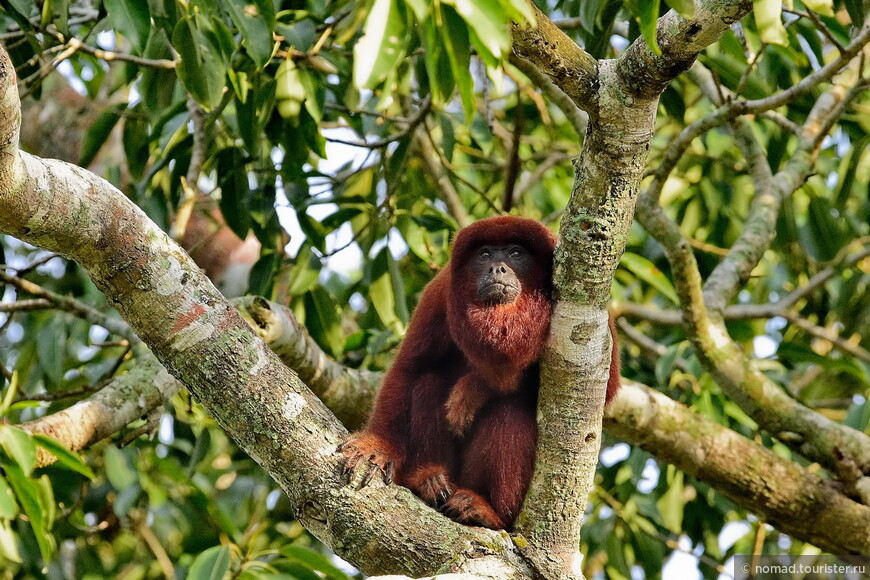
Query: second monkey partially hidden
point(455, 420)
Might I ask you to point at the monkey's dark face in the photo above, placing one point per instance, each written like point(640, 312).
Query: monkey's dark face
point(500, 271)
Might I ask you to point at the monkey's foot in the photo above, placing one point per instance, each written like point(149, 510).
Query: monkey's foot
point(469, 508)
point(462, 405)
point(431, 483)
point(368, 455)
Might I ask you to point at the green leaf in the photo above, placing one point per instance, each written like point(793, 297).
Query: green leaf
point(56, 12)
point(313, 561)
point(454, 38)
point(157, 85)
point(489, 22)
point(437, 62)
point(646, 271)
point(323, 320)
point(289, 90)
point(420, 8)
point(211, 564)
point(234, 184)
point(398, 283)
point(847, 173)
point(382, 294)
point(51, 349)
point(201, 70)
point(132, 19)
point(262, 276)
point(118, 471)
point(8, 505)
point(769, 22)
point(381, 47)
point(164, 13)
point(304, 272)
point(8, 542)
point(7, 396)
point(18, 445)
point(135, 139)
point(646, 14)
point(855, 8)
point(64, 456)
point(671, 503)
point(29, 498)
point(823, 7)
point(255, 20)
point(25, 8)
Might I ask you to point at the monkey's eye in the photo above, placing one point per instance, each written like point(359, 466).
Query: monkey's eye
point(516, 252)
point(484, 254)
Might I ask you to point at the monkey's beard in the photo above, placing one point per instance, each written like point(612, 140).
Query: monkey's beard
point(503, 333)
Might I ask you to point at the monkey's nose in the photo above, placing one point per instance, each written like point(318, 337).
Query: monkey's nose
point(499, 268)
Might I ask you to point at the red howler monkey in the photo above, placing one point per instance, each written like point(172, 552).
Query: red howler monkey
point(455, 420)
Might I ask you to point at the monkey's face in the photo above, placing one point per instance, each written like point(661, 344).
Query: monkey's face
point(500, 271)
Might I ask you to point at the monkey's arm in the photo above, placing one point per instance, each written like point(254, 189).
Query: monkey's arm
point(403, 433)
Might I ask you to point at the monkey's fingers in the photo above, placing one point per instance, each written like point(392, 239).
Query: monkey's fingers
point(371, 469)
point(389, 472)
point(467, 507)
point(349, 467)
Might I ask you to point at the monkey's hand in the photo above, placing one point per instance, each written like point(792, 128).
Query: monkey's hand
point(368, 455)
point(466, 398)
point(431, 483)
point(469, 508)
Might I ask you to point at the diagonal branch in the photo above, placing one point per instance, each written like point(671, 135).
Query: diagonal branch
point(202, 341)
point(758, 231)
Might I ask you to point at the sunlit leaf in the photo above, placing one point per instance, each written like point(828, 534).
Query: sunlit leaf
point(19, 446)
point(767, 18)
point(382, 44)
point(646, 271)
point(64, 456)
point(8, 505)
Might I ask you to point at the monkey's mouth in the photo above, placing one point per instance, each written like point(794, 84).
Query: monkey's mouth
point(499, 293)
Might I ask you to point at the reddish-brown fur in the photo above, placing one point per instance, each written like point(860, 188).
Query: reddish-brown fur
point(455, 420)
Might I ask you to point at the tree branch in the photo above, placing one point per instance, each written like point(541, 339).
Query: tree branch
point(645, 75)
point(349, 393)
point(146, 387)
point(779, 491)
point(543, 47)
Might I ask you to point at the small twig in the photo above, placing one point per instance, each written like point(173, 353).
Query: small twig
point(829, 335)
point(381, 143)
point(748, 70)
point(73, 306)
point(60, 395)
point(26, 305)
point(109, 55)
point(547, 164)
point(35, 264)
point(513, 158)
point(7, 374)
point(820, 26)
point(198, 151)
